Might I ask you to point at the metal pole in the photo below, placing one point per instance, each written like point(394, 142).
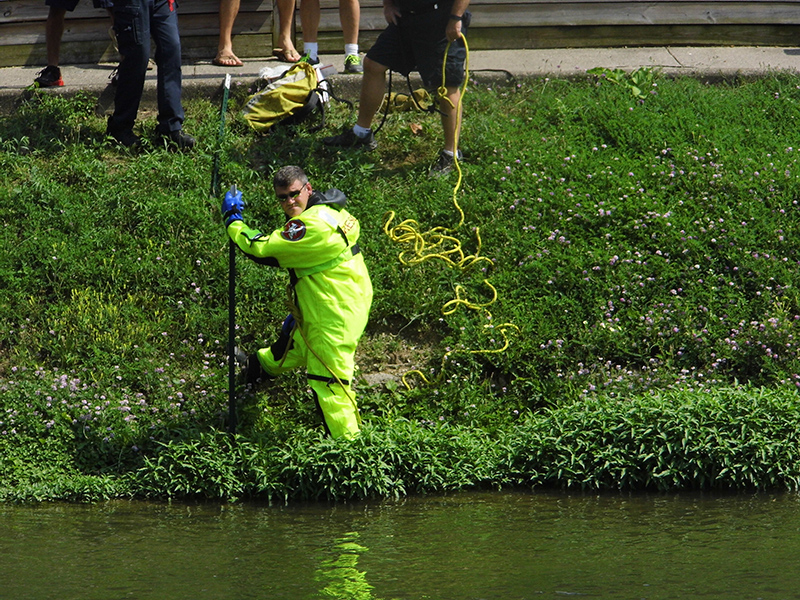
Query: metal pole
point(215, 193)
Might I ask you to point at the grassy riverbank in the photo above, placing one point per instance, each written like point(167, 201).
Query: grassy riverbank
point(643, 251)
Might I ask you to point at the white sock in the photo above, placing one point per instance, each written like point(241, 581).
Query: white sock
point(311, 48)
point(361, 131)
point(350, 49)
point(447, 152)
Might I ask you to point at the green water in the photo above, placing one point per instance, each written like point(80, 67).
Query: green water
point(503, 546)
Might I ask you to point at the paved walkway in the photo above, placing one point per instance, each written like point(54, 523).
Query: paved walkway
point(202, 78)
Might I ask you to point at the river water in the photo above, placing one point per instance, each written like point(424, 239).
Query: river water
point(465, 546)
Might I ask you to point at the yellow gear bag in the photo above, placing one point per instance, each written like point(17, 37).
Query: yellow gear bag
point(288, 100)
point(420, 99)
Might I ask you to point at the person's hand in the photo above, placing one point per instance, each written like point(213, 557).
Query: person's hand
point(232, 206)
point(390, 12)
point(453, 31)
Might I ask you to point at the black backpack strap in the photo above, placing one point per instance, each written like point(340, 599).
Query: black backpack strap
point(431, 109)
point(329, 91)
point(386, 111)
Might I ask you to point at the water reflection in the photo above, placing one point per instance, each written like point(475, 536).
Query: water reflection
point(465, 546)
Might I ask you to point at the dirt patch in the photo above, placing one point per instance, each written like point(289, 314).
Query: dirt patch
point(384, 357)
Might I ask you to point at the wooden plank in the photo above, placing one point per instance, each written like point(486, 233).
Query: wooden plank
point(628, 13)
point(94, 30)
point(80, 30)
point(634, 36)
point(250, 46)
point(24, 11)
point(516, 16)
point(250, 23)
point(501, 3)
point(35, 10)
point(497, 24)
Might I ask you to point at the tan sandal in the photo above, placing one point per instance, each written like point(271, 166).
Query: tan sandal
point(227, 60)
point(284, 56)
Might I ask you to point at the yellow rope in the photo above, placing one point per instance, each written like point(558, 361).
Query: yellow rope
point(442, 244)
point(506, 343)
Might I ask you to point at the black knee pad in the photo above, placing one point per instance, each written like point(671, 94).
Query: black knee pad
point(281, 346)
point(254, 372)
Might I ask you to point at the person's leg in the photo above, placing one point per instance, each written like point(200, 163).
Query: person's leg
point(228, 9)
point(330, 373)
point(349, 16)
point(285, 47)
point(132, 26)
point(451, 118)
point(309, 23)
point(164, 27)
point(373, 87)
point(337, 403)
point(430, 45)
point(388, 52)
point(50, 76)
point(53, 32)
point(287, 353)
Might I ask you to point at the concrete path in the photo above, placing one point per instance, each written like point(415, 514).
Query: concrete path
point(202, 78)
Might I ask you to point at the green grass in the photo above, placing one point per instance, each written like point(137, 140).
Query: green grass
point(642, 247)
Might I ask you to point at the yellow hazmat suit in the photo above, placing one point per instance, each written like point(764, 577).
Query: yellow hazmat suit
point(333, 295)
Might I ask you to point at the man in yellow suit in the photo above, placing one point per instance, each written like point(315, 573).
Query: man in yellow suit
point(332, 291)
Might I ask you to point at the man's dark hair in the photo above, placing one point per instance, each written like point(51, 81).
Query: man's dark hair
point(286, 176)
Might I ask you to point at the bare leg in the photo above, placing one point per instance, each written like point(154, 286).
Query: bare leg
point(285, 14)
point(373, 87)
point(53, 31)
point(451, 124)
point(309, 19)
point(228, 9)
point(350, 15)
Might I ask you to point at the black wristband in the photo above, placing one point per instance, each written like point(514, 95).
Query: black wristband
point(456, 18)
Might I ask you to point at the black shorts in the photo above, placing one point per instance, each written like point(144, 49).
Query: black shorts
point(70, 5)
point(418, 43)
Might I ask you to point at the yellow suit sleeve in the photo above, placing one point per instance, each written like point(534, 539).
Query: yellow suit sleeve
point(305, 241)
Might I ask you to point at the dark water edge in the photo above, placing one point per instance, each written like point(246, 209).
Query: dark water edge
point(470, 545)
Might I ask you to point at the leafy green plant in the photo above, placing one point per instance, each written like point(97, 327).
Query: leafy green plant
point(637, 81)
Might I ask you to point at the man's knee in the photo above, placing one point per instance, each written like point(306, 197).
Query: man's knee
point(57, 14)
point(373, 68)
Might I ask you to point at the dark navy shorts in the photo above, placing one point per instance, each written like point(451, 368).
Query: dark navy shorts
point(70, 5)
point(418, 42)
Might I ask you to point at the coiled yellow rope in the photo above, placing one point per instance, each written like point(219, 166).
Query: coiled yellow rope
point(441, 243)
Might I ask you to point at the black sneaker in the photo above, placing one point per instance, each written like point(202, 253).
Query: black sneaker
point(125, 138)
point(251, 372)
point(178, 139)
point(353, 64)
point(50, 76)
point(444, 164)
point(349, 139)
point(307, 59)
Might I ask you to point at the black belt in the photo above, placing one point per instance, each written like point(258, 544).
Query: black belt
point(423, 11)
point(328, 380)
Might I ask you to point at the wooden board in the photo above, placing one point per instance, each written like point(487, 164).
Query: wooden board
point(500, 24)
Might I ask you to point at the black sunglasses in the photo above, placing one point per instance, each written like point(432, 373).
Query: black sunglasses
point(285, 197)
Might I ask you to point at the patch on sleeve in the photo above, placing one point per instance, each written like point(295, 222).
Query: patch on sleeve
point(294, 230)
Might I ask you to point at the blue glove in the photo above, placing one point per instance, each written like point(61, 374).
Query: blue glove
point(288, 325)
point(232, 206)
